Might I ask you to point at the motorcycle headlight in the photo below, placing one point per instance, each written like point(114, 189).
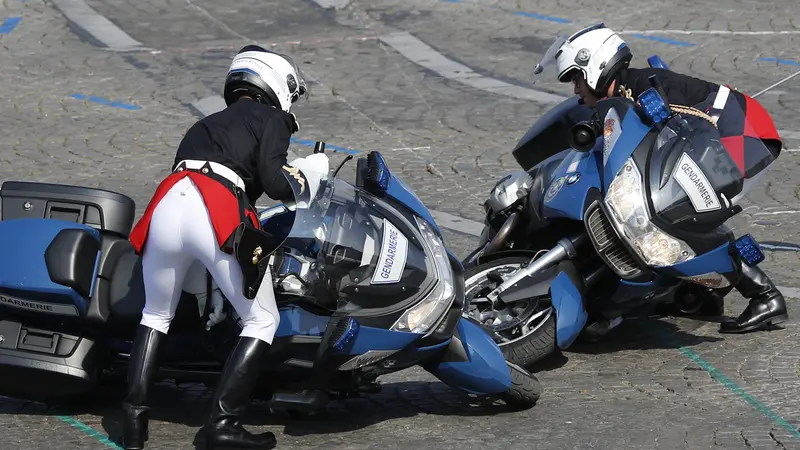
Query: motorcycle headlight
point(626, 201)
point(425, 314)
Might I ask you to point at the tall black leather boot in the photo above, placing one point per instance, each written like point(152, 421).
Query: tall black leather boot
point(223, 429)
point(142, 367)
point(767, 306)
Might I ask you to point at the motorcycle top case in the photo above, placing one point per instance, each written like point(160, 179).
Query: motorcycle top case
point(97, 208)
point(47, 266)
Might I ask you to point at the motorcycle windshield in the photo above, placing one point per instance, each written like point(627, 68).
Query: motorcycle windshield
point(699, 167)
point(356, 249)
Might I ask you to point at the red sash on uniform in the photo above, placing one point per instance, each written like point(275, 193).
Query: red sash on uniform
point(222, 204)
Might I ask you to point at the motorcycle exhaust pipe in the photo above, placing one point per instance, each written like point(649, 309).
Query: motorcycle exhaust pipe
point(565, 248)
point(502, 235)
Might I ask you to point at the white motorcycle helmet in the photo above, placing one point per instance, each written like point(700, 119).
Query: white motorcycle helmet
point(598, 52)
point(266, 76)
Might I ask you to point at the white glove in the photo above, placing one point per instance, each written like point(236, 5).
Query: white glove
point(217, 315)
point(315, 167)
point(195, 283)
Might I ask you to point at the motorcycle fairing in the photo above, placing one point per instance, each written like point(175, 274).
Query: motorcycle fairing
point(633, 130)
point(718, 261)
point(568, 301)
point(549, 135)
point(472, 362)
point(629, 295)
point(296, 321)
point(570, 184)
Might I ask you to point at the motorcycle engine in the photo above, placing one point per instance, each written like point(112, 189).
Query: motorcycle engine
point(509, 190)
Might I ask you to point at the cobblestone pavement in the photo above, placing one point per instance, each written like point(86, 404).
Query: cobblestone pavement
point(75, 111)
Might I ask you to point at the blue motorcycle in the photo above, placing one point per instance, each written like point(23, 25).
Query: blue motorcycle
point(628, 221)
point(364, 283)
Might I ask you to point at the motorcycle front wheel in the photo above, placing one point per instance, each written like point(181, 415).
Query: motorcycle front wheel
point(525, 389)
point(525, 330)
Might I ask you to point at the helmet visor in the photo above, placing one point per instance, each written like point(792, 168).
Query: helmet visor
point(547, 68)
point(302, 87)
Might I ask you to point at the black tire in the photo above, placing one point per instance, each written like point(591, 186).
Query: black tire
point(525, 389)
point(541, 344)
point(535, 346)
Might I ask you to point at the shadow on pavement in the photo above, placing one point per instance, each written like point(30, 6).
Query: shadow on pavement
point(634, 334)
point(189, 405)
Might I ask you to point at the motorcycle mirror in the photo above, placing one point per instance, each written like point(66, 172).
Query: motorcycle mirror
point(582, 136)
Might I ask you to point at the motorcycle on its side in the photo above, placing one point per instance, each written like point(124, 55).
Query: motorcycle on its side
point(627, 218)
point(364, 283)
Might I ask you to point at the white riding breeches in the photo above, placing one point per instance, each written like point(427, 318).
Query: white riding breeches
point(181, 243)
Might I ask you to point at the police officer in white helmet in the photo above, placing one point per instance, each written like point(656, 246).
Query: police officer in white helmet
point(596, 59)
point(222, 166)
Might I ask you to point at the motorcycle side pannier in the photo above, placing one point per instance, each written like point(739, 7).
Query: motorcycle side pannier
point(98, 208)
point(40, 364)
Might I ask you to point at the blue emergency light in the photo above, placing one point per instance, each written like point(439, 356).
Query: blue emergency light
point(349, 334)
point(656, 62)
point(747, 247)
point(377, 172)
point(654, 106)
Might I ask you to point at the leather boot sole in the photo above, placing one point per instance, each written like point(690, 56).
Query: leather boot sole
point(757, 326)
point(265, 446)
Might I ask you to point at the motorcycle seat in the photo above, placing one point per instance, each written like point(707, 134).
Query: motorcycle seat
point(126, 290)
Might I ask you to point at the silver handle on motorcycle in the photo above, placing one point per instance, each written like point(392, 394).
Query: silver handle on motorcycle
point(565, 248)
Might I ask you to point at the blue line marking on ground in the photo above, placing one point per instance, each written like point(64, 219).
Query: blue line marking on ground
point(542, 17)
point(741, 393)
point(9, 25)
point(106, 102)
point(522, 13)
point(563, 20)
point(75, 423)
point(787, 62)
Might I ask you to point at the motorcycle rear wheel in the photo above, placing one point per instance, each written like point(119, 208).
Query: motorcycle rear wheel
point(526, 332)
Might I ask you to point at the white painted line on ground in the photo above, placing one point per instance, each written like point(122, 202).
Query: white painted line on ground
point(711, 32)
point(786, 134)
point(410, 148)
point(336, 4)
point(789, 248)
point(421, 53)
point(773, 213)
point(789, 291)
point(209, 105)
point(102, 29)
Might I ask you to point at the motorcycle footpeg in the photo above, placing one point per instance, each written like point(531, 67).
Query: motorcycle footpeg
point(299, 401)
point(602, 327)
